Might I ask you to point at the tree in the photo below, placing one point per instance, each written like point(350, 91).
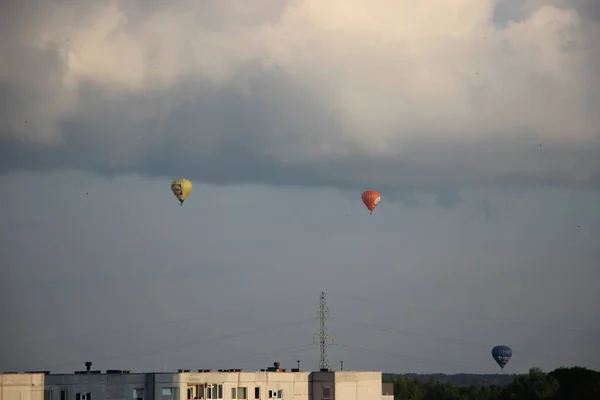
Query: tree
point(536, 385)
point(577, 383)
point(561, 384)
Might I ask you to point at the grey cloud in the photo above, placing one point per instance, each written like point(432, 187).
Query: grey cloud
point(485, 209)
point(518, 10)
point(261, 115)
point(447, 199)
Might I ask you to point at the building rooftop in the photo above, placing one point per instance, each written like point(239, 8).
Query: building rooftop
point(276, 367)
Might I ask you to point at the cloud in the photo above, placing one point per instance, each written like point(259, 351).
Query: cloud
point(403, 96)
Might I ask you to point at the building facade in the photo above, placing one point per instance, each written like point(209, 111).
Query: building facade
point(274, 383)
point(15, 386)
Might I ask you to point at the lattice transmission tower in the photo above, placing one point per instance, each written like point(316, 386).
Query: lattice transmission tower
point(323, 336)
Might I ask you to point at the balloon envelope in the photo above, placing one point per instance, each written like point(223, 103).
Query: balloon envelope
point(502, 354)
point(181, 188)
point(371, 199)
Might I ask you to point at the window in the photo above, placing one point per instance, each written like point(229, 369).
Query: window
point(199, 392)
point(276, 394)
point(138, 394)
point(195, 392)
point(47, 394)
point(169, 394)
point(326, 395)
point(256, 392)
point(214, 391)
point(63, 395)
point(83, 396)
point(239, 393)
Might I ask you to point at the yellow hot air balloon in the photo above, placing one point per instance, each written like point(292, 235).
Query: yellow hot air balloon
point(181, 188)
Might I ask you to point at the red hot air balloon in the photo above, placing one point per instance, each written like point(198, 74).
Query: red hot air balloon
point(371, 198)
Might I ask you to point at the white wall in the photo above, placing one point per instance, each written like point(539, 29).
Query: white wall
point(357, 385)
point(294, 385)
point(345, 385)
point(21, 386)
point(319, 381)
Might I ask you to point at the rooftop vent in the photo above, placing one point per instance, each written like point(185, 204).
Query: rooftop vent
point(88, 366)
point(204, 370)
point(183, 370)
point(276, 367)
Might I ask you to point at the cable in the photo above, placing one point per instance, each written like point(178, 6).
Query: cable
point(171, 321)
point(415, 359)
point(444, 339)
point(262, 355)
point(189, 344)
point(409, 333)
point(494, 319)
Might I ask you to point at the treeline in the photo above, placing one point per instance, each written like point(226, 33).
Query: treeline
point(561, 384)
point(457, 379)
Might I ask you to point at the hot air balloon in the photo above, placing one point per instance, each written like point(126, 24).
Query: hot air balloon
point(181, 188)
point(371, 198)
point(502, 355)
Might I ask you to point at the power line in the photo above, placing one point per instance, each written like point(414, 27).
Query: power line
point(504, 321)
point(409, 333)
point(142, 325)
point(412, 358)
point(181, 346)
point(323, 337)
point(263, 355)
point(446, 339)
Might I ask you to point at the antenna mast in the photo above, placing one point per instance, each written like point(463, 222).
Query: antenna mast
point(323, 336)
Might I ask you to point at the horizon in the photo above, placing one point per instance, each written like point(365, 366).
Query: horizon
point(476, 121)
point(504, 374)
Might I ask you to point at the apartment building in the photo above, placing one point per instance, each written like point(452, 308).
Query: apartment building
point(232, 384)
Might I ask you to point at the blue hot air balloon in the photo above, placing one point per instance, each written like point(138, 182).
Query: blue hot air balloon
point(502, 355)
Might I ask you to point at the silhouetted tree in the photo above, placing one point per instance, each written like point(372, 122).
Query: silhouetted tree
point(561, 384)
point(577, 383)
point(534, 386)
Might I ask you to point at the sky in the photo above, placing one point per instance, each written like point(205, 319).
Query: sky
point(476, 120)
